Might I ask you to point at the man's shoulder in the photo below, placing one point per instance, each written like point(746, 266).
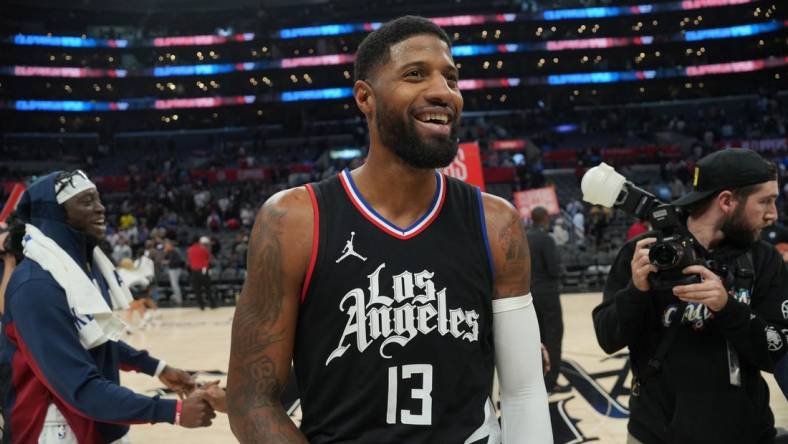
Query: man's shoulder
point(290, 212)
point(286, 218)
point(289, 203)
point(496, 206)
point(499, 214)
point(30, 283)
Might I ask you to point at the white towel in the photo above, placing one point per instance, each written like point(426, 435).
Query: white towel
point(95, 320)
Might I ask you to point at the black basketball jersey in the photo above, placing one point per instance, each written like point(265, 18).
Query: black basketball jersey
point(394, 337)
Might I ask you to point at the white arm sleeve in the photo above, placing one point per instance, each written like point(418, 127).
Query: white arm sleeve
point(518, 357)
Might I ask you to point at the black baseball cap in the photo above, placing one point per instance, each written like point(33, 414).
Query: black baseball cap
point(726, 170)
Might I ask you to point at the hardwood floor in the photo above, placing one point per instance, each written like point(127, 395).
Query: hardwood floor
point(199, 340)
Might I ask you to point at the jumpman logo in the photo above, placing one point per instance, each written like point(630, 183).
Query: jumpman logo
point(349, 251)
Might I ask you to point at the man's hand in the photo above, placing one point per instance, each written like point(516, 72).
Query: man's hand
point(178, 380)
point(214, 395)
point(710, 292)
point(545, 360)
point(196, 412)
point(641, 265)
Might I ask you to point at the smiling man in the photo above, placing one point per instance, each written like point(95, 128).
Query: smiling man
point(394, 289)
point(697, 350)
point(61, 336)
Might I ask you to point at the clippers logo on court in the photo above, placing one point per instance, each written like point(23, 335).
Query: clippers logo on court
point(349, 251)
point(773, 339)
point(416, 308)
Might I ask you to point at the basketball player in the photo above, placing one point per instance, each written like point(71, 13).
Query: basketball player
point(60, 337)
point(393, 343)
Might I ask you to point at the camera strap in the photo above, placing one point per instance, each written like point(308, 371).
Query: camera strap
point(655, 363)
point(743, 279)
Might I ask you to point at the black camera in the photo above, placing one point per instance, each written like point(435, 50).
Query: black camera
point(674, 249)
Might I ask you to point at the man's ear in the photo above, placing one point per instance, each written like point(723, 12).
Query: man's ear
point(726, 201)
point(365, 98)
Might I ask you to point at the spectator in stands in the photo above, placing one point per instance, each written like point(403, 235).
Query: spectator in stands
point(214, 222)
point(139, 286)
point(199, 257)
point(224, 207)
point(174, 263)
point(127, 221)
point(241, 247)
point(149, 263)
point(121, 250)
point(247, 216)
point(677, 188)
point(579, 226)
point(559, 233)
point(599, 218)
point(545, 278)
point(637, 228)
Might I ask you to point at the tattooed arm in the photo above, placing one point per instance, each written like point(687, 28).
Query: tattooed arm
point(509, 248)
point(265, 320)
point(515, 329)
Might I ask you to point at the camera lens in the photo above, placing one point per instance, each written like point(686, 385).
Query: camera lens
point(665, 255)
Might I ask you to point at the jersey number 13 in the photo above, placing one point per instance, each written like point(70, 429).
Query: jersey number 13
point(423, 393)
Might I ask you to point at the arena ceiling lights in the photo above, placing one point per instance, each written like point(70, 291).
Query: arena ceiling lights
point(341, 59)
point(341, 93)
point(351, 28)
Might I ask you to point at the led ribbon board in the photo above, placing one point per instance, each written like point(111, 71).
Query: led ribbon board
point(342, 93)
point(342, 59)
point(351, 28)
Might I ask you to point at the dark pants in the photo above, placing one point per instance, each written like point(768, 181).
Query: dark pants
point(551, 328)
point(201, 285)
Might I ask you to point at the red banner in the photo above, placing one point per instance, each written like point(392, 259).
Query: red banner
point(13, 199)
point(467, 166)
point(527, 200)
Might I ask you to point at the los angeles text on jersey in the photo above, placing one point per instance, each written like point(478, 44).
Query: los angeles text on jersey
point(399, 319)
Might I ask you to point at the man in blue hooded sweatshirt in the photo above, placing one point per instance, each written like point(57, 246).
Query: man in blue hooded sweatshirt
point(60, 335)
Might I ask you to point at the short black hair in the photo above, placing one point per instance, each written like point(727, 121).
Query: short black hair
point(539, 216)
point(374, 49)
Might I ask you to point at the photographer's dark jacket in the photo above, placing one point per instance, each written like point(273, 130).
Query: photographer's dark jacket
point(691, 400)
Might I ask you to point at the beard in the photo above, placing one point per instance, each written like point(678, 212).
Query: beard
point(737, 231)
point(403, 138)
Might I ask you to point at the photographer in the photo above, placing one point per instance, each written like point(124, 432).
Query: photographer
point(697, 349)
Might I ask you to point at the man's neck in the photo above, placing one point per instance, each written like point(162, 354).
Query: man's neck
point(706, 231)
point(397, 191)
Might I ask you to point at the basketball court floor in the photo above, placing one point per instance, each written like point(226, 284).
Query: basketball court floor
point(594, 411)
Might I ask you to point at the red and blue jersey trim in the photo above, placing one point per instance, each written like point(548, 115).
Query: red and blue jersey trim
point(379, 221)
point(315, 242)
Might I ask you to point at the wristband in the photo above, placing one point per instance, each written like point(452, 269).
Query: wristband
point(178, 410)
point(159, 368)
